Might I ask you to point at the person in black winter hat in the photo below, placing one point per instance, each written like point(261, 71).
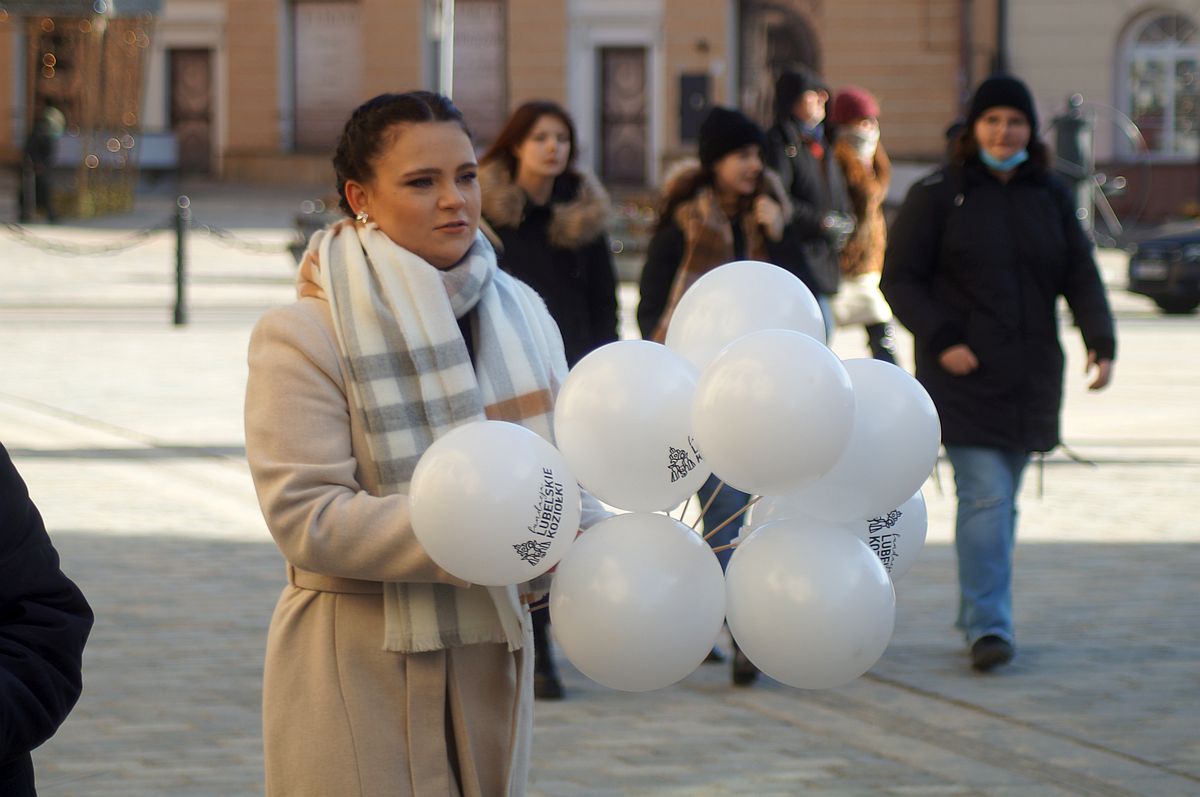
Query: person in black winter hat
point(977, 257)
point(799, 149)
point(727, 207)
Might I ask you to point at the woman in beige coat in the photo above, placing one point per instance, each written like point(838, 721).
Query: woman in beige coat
point(385, 674)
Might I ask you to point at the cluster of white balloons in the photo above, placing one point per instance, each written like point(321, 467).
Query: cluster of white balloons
point(745, 388)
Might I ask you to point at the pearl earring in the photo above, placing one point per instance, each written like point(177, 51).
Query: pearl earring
point(361, 216)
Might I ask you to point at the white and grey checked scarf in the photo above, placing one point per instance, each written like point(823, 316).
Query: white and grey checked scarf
point(411, 380)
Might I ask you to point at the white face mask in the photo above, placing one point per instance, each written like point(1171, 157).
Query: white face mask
point(864, 141)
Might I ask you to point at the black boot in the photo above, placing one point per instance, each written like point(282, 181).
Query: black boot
point(882, 340)
point(546, 683)
point(990, 652)
point(744, 671)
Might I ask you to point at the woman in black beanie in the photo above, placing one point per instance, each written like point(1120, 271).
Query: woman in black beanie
point(976, 260)
point(726, 207)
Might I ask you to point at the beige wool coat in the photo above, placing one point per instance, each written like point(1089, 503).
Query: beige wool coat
point(342, 717)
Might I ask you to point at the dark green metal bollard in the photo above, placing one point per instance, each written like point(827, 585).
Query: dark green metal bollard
point(183, 217)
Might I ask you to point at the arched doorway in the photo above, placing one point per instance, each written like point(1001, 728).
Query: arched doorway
point(774, 35)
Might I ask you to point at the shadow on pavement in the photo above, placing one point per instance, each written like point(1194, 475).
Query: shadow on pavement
point(1104, 690)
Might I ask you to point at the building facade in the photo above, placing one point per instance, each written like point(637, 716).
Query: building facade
point(258, 89)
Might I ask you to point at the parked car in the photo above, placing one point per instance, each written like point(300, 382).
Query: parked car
point(1166, 268)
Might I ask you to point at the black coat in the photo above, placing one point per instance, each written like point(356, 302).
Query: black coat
point(816, 187)
point(44, 623)
point(561, 251)
point(976, 261)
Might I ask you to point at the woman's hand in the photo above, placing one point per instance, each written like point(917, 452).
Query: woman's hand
point(769, 216)
point(958, 360)
point(1103, 371)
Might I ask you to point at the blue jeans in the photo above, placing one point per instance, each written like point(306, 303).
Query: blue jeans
point(727, 502)
point(987, 481)
point(825, 301)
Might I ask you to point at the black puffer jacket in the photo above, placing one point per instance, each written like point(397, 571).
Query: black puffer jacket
point(816, 187)
point(44, 622)
point(561, 250)
point(976, 261)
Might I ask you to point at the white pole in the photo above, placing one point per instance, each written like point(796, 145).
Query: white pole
point(446, 54)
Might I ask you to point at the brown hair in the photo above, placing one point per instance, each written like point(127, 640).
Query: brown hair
point(370, 129)
point(687, 185)
point(517, 129)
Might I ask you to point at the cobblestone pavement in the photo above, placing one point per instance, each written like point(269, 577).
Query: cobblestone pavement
point(128, 431)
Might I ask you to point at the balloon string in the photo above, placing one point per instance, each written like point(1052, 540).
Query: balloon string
point(720, 548)
point(683, 511)
point(735, 515)
point(707, 504)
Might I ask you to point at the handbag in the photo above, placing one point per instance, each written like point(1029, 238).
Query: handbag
point(859, 301)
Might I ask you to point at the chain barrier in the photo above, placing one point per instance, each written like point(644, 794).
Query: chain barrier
point(230, 239)
point(26, 236)
point(180, 222)
point(218, 234)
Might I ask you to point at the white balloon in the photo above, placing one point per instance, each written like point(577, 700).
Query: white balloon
point(623, 422)
point(897, 537)
point(493, 503)
point(891, 450)
point(773, 412)
point(736, 299)
point(770, 508)
point(813, 610)
point(638, 602)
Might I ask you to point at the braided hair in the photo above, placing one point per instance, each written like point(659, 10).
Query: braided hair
point(371, 128)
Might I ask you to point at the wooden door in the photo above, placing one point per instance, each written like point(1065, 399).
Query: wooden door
point(191, 108)
point(623, 118)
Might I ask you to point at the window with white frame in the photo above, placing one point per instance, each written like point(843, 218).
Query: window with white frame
point(1162, 70)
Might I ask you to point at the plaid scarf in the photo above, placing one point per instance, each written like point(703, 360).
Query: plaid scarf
point(411, 381)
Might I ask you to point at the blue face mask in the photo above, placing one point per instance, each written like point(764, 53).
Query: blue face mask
point(1006, 165)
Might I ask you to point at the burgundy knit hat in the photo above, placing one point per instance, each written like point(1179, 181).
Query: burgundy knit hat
point(853, 102)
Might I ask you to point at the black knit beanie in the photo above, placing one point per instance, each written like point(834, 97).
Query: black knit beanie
point(725, 130)
point(1002, 90)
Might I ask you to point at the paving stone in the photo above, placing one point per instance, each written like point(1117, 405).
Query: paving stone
point(129, 433)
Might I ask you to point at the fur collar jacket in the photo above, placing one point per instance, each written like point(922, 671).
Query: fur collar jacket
point(579, 206)
point(707, 230)
point(867, 189)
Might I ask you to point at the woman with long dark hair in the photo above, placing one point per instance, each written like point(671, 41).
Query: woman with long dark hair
point(548, 220)
point(976, 260)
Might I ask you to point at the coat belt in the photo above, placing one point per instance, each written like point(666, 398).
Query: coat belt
point(322, 583)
